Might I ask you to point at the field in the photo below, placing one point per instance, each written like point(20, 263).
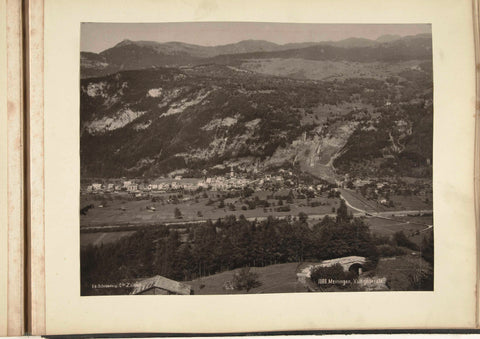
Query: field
point(411, 203)
point(325, 70)
point(357, 201)
point(121, 210)
point(400, 202)
point(280, 278)
point(415, 228)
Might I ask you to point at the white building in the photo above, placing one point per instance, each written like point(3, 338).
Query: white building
point(132, 187)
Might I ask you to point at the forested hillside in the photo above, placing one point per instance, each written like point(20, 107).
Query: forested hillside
point(151, 122)
point(224, 245)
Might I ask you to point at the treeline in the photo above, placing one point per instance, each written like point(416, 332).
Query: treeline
point(224, 245)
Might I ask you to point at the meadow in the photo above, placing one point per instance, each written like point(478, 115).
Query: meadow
point(123, 210)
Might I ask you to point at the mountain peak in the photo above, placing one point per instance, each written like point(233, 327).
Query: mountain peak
point(388, 37)
point(124, 42)
point(254, 42)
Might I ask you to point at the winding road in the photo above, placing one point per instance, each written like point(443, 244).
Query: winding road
point(386, 214)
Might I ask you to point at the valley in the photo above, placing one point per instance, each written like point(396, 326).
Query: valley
point(199, 161)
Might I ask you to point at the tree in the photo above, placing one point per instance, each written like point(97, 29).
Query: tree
point(342, 212)
point(420, 275)
point(400, 239)
point(245, 280)
point(302, 216)
point(177, 213)
point(427, 248)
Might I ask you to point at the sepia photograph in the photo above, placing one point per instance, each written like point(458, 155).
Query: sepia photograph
point(254, 157)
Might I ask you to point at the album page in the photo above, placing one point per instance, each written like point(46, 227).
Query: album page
point(240, 166)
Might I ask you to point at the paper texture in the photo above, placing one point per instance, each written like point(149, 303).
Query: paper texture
point(476, 30)
point(3, 172)
point(453, 302)
point(36, 269)
point(14, 96)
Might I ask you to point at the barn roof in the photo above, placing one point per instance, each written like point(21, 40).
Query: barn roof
point(161, 282)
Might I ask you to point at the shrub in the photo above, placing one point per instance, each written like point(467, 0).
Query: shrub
point(303, 217)
point(177, 213)
point(380, 239)
point(390, 251)
point(427, 248)
point(421, 277)
point(245, 280)
point(400, 239)
point(285, 208)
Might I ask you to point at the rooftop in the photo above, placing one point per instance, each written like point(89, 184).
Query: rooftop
point(163, 283)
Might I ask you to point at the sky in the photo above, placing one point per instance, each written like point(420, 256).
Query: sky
point(96, 37)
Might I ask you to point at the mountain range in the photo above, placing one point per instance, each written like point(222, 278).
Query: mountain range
point(128, 54)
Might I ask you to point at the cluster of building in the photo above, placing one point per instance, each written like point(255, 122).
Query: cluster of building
point(381, 190)
point(221, 183)
point(282, 179)
point(135, 187)
point(217, 183)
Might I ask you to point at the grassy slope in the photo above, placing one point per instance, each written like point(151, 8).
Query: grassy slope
point(280, 278)
point(398, 270)
point(408, 225)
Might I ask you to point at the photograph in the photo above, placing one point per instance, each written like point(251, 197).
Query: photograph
point(225, 158)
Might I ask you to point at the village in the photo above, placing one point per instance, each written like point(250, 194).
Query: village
point(183, 214)
point(282, 183)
